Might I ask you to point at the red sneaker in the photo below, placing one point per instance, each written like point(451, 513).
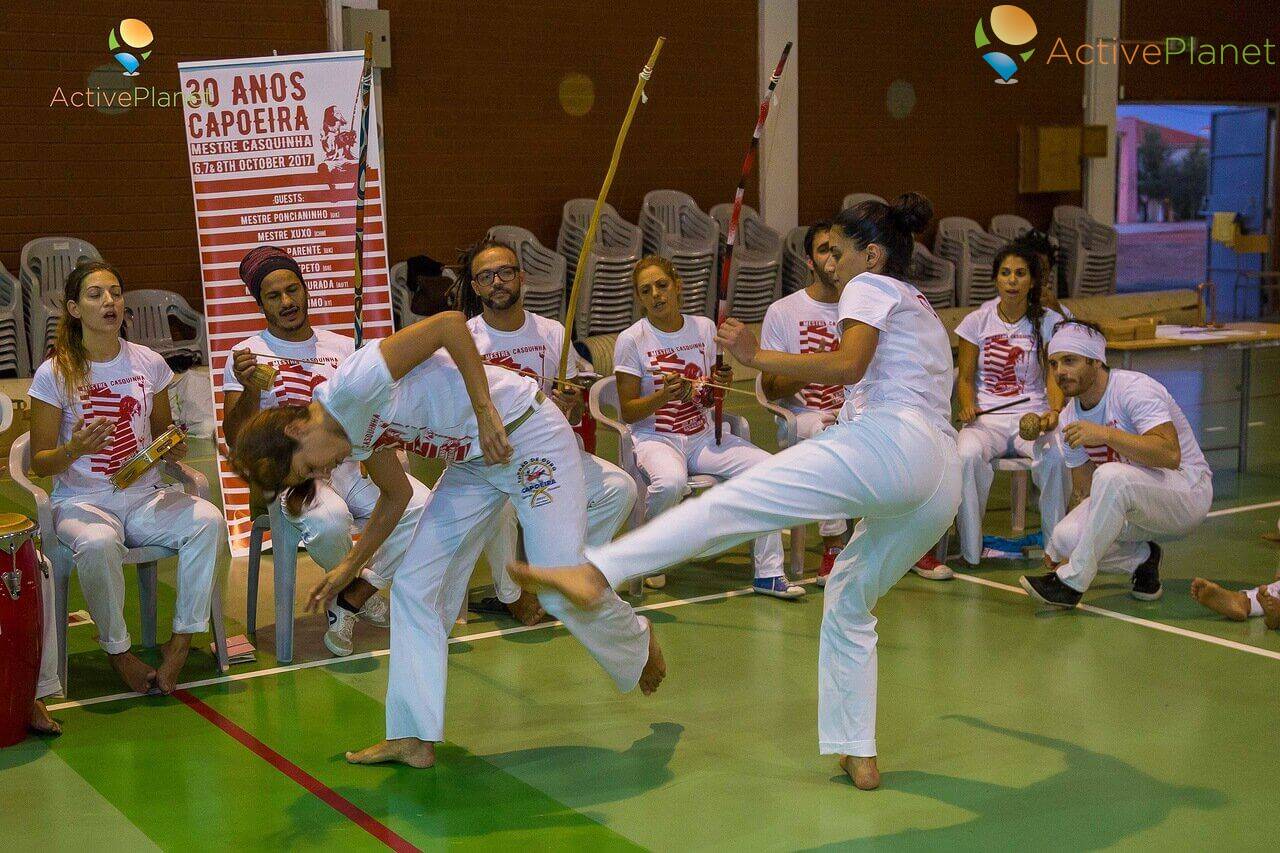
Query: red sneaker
point(930, 568)
point(828, 563)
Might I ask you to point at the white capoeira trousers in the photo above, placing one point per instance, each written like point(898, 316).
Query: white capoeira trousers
point(668, 460)
point(544, 482)
point(345, 501)
point(100, 527)
point(809, 424)
point(992, 437)
point(891, 468)
point(49, 683)
point(1127, 506)
point(1255, 609)
point(611, 493)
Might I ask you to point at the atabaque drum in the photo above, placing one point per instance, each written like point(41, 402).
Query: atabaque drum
point(21, 625)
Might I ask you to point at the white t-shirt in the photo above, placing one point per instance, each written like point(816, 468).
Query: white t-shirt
point(295, 381)
point(122, 390)
point(912, 363)
point(642, 349)
point(426, 412)
point(1136, 404)
point(533, 348)
point(801, 324)
point(1008, 365)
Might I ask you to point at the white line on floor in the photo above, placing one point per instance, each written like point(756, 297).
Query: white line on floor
point(377, 653)
point(1257, 423)
point(1249, 508)
point(1136, 620)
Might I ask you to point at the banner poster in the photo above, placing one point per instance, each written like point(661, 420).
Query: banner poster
point(273, 144)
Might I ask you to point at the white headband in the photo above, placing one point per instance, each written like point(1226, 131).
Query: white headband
point(1080, 340)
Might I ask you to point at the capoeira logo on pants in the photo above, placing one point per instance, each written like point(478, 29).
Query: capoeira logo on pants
point(537, 479)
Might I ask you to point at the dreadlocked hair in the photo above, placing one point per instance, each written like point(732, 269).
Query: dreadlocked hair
point(1035, 310)
point(468, 300)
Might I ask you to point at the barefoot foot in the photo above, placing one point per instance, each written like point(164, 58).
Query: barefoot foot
point(582, 584)
point(135, 674)
point(1231, 604)
point(405, 750)
point(862, 771)
point(655, 667)
point(42, 721)
point(526, 609)
point(173, 656)
point(1270, 605)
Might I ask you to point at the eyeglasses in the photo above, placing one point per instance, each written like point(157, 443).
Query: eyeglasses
point(503, 274)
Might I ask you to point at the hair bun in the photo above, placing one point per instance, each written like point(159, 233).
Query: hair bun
point(911, 212)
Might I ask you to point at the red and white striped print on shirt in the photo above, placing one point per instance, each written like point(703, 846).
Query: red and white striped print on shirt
point(819, 336)
point(679, 417)
point(295, 384)
point(99, 401)
point(1101, 454)
point(1000, 358)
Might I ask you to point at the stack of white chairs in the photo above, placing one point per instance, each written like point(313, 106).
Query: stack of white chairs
point(853, 199)
point(45, 264)
point(14, 359)
point(150, 326)
point(755, 276)
point(933, 276)
point(1066, 229)
point(675, 228)
point(401, 297)
point(1095, 267)
point(1008, 227)
point(795, 262)
point(606, 297)
point(972, 250)
point(543, 270)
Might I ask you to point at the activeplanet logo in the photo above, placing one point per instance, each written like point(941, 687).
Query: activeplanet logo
point(1013, 28)
point(130, 44)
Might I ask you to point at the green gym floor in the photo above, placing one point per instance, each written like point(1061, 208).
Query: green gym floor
point(1121, 725)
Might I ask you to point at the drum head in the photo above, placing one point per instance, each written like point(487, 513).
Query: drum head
point(12, 522)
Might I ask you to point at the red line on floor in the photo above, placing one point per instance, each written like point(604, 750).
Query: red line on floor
point(326, 794)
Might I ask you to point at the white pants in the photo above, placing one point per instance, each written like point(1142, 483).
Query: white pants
point(1127, 506)
point(98, 530)
point(543, 481)
point(891, 468)
point(346, 500)
point(49, 683)
point(1255, 609)
point(809, 424)
point(992, 437)
point(611, 493)
point(668, 460)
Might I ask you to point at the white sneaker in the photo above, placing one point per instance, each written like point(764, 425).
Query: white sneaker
point(342, 622)
point(376, 612)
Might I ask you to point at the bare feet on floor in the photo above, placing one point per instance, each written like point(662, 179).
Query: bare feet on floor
point(405, 750)
point(1270, 608)
point(42, 721)
point(655, 668)
point(1231, 604)
point(173, 656)
point(526, 609)
point(135, 674)
point(582, 584)
point(862, 770)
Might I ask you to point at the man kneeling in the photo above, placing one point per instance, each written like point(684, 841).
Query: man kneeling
point(1137, 473)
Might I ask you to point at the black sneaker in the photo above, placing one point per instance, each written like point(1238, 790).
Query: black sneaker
point(1146, 578)
point(491, 605)
point(1051, 590)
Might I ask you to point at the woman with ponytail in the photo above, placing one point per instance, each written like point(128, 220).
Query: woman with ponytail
point(96, 402)
point(890, 460)
point(1002, 360)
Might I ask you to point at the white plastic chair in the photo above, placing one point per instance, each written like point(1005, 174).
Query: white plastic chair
point(44, 266)
point(14, 354)
point(1007, 226)
point(933, 276)
point(401, 299)
point(796, 274)
point(544, 270)
point(854, 199)
point(193, 482)
point(755, 278)
point(606, 299)
point(972, 250)
point(152, 310)
point(677, 229)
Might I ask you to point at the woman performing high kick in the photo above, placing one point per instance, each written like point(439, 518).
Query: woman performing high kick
point(425, 390)
point(890, 460)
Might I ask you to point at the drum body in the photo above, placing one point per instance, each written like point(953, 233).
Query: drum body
point(21, 626)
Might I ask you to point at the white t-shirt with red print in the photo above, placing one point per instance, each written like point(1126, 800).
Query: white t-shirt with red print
point(534, 348)
point(801, 324)
point(426, 412)
point(122, 390)
point(1008, 366)
point(295, 381)
point(1134, 403)
point(645, 351)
